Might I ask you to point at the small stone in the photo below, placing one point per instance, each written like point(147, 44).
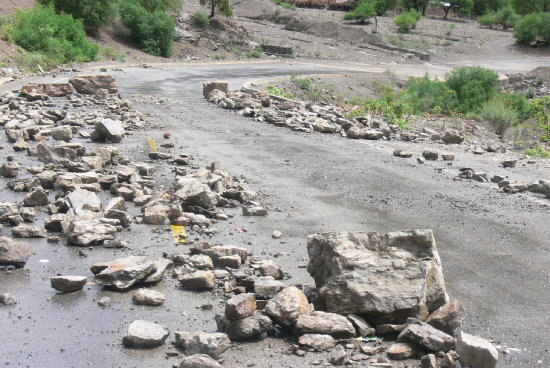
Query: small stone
point(201, 262)
point(233, 261)
point(7, 299)
point(240, 306)
point(68, 284)
point(448, 317)
point(38, 197)
point(475, 351)
point(9, 170)
point(447, 157)
point(509, 163)
point(428, 361)
point(430, 155)
point(104, 301)
point(277, 234)
point(318, 322)
point(148, 297)
point(420, 160)
point(198, 280)
point(339, 356)
point(26, 231)
point(254, 211)
point(145, 334)
point(199, 361)
point(287, 305)
point(317, 342)
point(362, 327)
point(400, 351)
point(452, 136)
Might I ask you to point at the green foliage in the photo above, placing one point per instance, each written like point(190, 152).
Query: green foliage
point(304, 83)
point(541, 112)
point(171, 6)
point(381, 6)
point(254, 54)
point(538, 152)
point(524, 7)
point(219, 56)
point(32, 60)
point(426, 95)
point(285, 5)
point(418, 5)
point(364, 11)
point(507, 17)
point(200, 19)
point(407, 20)
point(517, 103)
point(108, 53)
point(488, 20)
point(532, 28)
point(54, 38)
point(93, 13)
point(223, 6)
point(499, 115)
point(473, 86)
point(274, 90)
point(153, 31)
point(465, 6)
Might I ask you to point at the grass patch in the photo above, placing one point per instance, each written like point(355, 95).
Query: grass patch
point(108, 53)
point(219, 56)
point(274, 90)
point(538, 152)
point(284, 4)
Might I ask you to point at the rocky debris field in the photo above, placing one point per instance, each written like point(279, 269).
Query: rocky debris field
point(310, 117)
point(378, 298)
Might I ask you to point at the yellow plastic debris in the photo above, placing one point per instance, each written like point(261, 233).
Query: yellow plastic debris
point(180, 236)
point(153, 145)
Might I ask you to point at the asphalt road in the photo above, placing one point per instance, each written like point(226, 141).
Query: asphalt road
point(495, 248)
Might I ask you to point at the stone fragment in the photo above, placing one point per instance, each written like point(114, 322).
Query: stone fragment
point(430, 155)
point(509, 163)
point(277, 234)
point(7, 299)
point(248, 328)
point(9, 169)
point(108, 130)
point(48, 89)
point(332, 324)
point(448, 318)
point(26, 231)
point(338, 356)
point(201, 262)
point(426, 336)
point(287, 306)
point(447, 156)
point(88, 232)
point(198, 280)
point(452, 136)
point(208, 87)
point(122, 273)
point(362, 327)
point(403, 270)
point(254, 211)
point(199, 342)
point(269, 268)
point(81, 199)
point(475, 351)
point(90, 84)
point(240, 306)
point(317, 342)
point(145, 334)
point(428, 361)
point(233, 261)
point(104, 301)
point(68, 284)
point(159, 266)
point(38, 197)
point(62, 133)
point(148, 297)
point(199, 361)
point(267, 287)
point(400, 351)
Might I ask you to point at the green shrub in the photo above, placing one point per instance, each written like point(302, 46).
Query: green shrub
point(304, 83)
point(93, 13)
point(500, 116)
point(528, 29)
point(407, 20)
point(171, 6)
point(488, 20)
point(541, 112)
point(364, 11)
point(516, 102)
point(284, 4)
point(473, 86)
point(153, 31)
point(507, 17)
point(220, 56)
point(274, 90)
point(200, 19)
point(538, 152)
point(57, 38)
point(426, 95)
point(254, 54)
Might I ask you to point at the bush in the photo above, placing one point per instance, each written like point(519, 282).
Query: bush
point(172, 6)
point(153, 31)
point(516, 102)
point(541, 112)
point(365, 10)
point(538, 152)
point(507, 17)
point(200, 19)
point(274, 90)
point(473, 86)
point(93, 13)
point(56, 38)
point(381, 6)
point(528, 29)
point(407, 20)
point(488, 20)
point(499, 115)
point(426, 95)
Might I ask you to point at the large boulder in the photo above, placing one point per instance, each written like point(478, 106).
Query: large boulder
point(13, 253)
point(286, 306)
point(452, 136)
point(91, 84)
point(384, 277)
point(475, 351)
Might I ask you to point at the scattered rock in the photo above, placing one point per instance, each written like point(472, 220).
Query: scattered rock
point(509, 163)
point(400, 351)
point(38, 197)
point(26, 231)
point(9, 169)
point(426, 336)
point(7, 299)
point(332, 324)
point(338, 356)
point(104, 301)
point(198, 280)
point(248, 328)
point(277, 234)
point(317, 342)
point(475, 351)
point(452, 136)
point(428, 361)
point(199, 361)
point(145, 334)
point(199, 342)
point(362, 327)
point(254, 211)
point(84, 233)
point(13, 253)
point(240, 306)
point(90, 84)
point(287, 306)
point(430, 155)
point(68, 284)
point(208, 87)
point(48, 89)
point(448, 318)
point(148, 297)
point(108, 130)
point(122, 273)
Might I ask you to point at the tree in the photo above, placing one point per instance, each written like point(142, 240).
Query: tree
point(222, 5)
point(93, 13)
point(381, 6)
point(418, 5)
point(464, 5)
point(364, 11)
point(524, 7)
point(169, 6)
